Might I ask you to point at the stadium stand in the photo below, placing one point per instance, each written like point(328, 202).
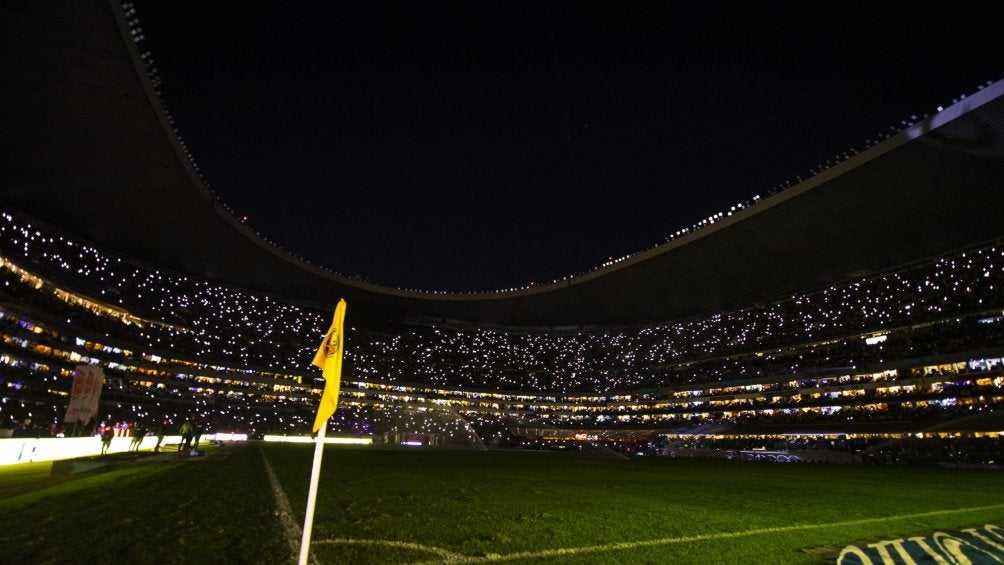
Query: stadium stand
point(905, 352)
point(886, 348)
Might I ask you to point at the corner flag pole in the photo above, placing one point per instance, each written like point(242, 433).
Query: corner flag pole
point(315, 473)
point(329, 359)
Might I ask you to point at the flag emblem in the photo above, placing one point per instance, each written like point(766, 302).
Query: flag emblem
point(329, 359)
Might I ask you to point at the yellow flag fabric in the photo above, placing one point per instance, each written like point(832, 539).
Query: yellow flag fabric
point(329, 359)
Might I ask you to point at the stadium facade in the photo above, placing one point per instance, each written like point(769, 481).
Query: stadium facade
point(865, 300)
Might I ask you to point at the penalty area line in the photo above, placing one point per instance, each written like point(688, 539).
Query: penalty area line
point(545, 553)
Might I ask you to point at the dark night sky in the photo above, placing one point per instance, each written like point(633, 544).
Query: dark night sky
point(481, 145)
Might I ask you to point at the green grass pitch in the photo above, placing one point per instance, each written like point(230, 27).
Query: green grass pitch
point(402, 506)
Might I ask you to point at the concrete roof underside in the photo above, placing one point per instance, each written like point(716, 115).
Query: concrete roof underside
point(85, 146)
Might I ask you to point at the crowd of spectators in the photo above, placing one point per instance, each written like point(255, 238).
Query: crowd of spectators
point(217, 323)
point(943, 307)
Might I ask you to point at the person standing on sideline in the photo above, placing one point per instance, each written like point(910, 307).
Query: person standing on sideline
point(161, 432)
point(197, 432)
point(187, 429)
point(106, 440)
point(138, 433)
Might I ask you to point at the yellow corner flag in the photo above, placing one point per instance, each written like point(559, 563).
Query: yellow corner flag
point(329, 359)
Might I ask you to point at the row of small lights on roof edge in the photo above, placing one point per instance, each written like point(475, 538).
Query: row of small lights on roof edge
point(146, 57)
point(714, 218)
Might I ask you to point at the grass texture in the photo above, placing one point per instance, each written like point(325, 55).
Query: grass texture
point(384, 506)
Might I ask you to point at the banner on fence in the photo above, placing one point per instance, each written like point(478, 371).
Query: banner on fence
point(85, 394)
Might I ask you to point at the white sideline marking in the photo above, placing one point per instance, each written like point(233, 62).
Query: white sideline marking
point(687, 539)
point(448, 556)
point(293, 532)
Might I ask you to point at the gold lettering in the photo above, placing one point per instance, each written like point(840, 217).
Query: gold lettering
point(976, 534)
point(994, 530)
point(884, 553)
point(954, 547)
point(857, 551)
point(922, 542)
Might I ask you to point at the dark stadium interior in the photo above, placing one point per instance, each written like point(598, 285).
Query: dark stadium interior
point(866, 299)
point(929, 189)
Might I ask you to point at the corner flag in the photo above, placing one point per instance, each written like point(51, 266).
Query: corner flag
point(329, 359)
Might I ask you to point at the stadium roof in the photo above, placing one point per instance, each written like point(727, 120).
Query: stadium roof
point(86, 146)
